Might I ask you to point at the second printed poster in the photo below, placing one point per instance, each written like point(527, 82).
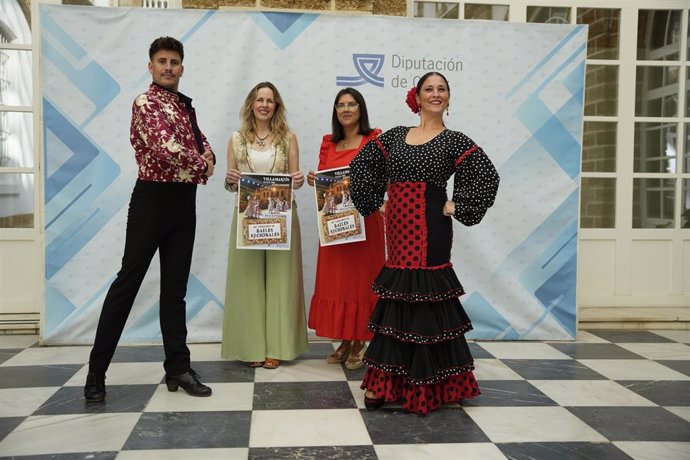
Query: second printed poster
point(264, 212)
point(338, 220)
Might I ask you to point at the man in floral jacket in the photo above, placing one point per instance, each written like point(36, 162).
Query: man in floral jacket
point(173, 156)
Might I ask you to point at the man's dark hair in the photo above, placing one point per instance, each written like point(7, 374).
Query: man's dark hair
point(166, 43)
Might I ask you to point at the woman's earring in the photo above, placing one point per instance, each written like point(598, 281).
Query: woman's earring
point(447, 110)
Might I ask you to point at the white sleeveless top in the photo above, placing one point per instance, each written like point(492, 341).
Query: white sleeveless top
point(262, 160)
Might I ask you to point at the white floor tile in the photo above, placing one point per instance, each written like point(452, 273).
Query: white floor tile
point(493, 369)
point(357, 393)
point(523, 350)
point(655, 450)
point(303, 370)
point(678, 336)
point(632, 369)
point(590, 393)
point(588, 337)
point(69, 433)
point(185, 454)
point(124, 374)
point(532, 424)
point(41, 356)
point(322, 427)
point(22, 402)
point(17, 340)
point(469, 451)
point(225, 397)
point(659, 351)
point(681, 411)
point(205, 352)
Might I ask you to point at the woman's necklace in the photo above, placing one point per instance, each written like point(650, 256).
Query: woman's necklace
point(345, 143)
point(261, 141)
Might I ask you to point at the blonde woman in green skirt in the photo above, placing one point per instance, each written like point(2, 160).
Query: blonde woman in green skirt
point(264, 321)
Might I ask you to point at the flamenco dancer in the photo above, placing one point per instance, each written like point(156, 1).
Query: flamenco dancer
point(418, 353)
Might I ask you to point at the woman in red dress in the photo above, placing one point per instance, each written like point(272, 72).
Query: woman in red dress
point(343, 300)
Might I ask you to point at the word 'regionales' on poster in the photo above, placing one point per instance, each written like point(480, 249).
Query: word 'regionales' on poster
point(337, 219)
point(264, 212)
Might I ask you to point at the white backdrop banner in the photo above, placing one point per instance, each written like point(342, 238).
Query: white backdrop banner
point(516, 89)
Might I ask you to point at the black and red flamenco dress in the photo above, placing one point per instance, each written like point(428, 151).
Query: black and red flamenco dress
point(419, 354)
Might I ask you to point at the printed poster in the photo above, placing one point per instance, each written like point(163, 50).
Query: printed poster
point(337, 219)
point(264, 211)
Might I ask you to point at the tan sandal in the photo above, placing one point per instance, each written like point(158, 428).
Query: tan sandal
point(256, 363)
point(271, 363)
point(354, 361)
point(339, 355)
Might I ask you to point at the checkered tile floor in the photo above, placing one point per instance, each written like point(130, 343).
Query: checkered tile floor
point(610, 395)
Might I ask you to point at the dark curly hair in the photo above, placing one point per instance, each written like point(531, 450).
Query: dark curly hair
point(166, 43)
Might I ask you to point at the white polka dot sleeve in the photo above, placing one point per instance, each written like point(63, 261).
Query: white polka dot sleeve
point(475, 186)
point(368, 177)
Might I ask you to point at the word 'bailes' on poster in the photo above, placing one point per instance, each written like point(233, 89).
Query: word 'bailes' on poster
point(337, 219)
point(264, 212)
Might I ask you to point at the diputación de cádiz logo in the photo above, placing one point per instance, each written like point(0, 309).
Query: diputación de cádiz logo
point(368, 66)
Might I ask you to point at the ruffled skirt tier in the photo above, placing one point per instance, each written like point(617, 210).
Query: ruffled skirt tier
point(418, 353)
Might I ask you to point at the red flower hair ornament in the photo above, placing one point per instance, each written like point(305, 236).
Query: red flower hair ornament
point(411, 100)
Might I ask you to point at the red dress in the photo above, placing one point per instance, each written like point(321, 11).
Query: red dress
point(343, 300)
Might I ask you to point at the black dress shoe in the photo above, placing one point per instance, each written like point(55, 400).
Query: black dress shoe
point(372, 403)
point(189, 381)
point(94, 390)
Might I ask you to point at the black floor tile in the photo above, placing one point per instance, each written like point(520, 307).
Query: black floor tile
point(317, 350)
point(478, 352)
point(37, 376)
point(7, 353)
point(7, 424)
point(445, 425)
point(224, 371)
point(119, 398)
point(356, 375)
point(302, 395)
point(595, 351)
point(139, 354)
point(508, 393)
point(562, 451)
point(552, 369)
point(662, 392)
point(634, 423)
point(190, 430)
point(313, 453)
point(630, 336)
point(677, 365)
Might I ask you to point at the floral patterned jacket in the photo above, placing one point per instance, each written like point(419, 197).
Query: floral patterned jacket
point(162, 135)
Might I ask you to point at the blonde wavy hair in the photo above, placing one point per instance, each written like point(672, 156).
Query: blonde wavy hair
point(279, 127)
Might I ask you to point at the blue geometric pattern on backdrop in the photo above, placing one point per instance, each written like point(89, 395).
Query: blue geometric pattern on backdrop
point(71, 220)
point(83, 151)
point(551, 277)
point(486, 320)
point(545, 60)
point(87, 75)
point(283, 28)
